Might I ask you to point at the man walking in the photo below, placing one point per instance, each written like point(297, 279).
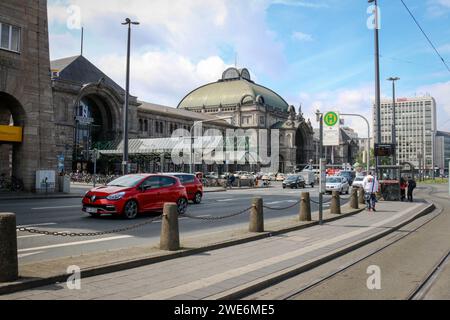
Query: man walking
point(370, 185)
point(411, 186)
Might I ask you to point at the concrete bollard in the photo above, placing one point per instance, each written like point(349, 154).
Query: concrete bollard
point(257, 216)
point(336, 203)
point(170, 237)
point(305, 207)
point(9, 269)
point(354, 199)
point(361, 197)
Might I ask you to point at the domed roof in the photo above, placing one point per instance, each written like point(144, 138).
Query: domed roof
point(235, 87)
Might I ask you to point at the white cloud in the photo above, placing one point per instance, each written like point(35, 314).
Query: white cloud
point(441, 92)
point(162, 77)
point(358, 100)
point(300, 36)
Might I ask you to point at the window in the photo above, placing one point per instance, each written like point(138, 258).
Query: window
point(9, 37)
point(145, 125)
point(166, 182)
point(140, 125)
point(151, 183)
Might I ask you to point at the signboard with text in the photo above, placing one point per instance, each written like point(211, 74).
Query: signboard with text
point(331, 129)
point(11, 134)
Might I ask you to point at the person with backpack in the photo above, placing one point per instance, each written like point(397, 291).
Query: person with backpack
point(411, 186)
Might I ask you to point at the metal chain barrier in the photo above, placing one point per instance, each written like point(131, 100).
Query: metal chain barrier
point(282, 209)
point(90, 234)
point(324, 202)
point(211, 218)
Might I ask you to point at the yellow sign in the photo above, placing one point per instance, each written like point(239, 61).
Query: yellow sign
point(11, 134)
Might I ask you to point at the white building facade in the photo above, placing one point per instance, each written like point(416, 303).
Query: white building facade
point(415, 129)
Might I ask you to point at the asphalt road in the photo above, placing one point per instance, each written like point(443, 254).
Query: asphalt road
point(65, 215)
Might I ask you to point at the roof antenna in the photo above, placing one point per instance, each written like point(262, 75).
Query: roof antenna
point(82, 39)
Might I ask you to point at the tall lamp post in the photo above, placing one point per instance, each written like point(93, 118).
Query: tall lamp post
point(377, 81)
point(394, 130)
point(127, 22)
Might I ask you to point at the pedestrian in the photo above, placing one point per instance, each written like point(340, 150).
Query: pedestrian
point(403, 187)
point(411, 186)
point(370, 185)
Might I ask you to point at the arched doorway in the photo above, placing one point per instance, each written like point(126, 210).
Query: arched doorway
point(301, 145)
point(12, 115)
point(95, 123)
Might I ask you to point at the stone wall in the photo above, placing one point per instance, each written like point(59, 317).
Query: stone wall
point(25, 88)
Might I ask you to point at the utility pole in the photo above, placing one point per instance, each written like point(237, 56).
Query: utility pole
point(377, 81)
point(127, 97)
point(394, 124)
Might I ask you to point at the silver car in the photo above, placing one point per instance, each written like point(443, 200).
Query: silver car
point(336, 183)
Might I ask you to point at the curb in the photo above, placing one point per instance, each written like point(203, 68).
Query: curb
point(265, 282)
point(30, 283)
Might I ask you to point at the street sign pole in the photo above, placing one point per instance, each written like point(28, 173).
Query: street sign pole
point(322, 171)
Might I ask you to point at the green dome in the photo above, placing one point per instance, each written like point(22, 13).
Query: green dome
point(235, 87)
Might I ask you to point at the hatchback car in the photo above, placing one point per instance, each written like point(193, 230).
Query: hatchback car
point(337, 183)
point(358, 182)
point(294, 182)
point(130, 195)
point(193, 185)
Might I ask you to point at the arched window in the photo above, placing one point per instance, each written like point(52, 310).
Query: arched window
point(157, 126)
point(145, 125)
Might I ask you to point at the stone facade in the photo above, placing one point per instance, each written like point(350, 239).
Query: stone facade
point(26, 93)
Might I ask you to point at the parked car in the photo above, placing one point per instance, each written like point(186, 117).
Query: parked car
point(294, 182)
point(337, 183)
point(193, 185)
point(280, 177)
point(349, 175)
point(130, 195)
point(358, 182)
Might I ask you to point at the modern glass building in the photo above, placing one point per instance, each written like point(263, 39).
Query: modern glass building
point(442, 152)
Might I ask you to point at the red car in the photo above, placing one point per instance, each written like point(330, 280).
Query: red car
point(132, 194)
point(193, 185)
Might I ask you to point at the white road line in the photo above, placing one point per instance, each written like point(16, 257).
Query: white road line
point(70, 244)
point(232, 273)
point(28, 254)
point(38, 225)
point(62, 207)
point(38, 235)
point(226, 200)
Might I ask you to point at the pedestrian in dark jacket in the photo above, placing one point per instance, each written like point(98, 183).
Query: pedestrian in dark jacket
point(411, 186)
point(403, 187)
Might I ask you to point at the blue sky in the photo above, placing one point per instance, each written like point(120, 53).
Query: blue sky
point(315, 53)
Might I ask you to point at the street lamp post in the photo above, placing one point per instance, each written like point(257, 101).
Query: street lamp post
point(377, 80)
point(321, 163)
point(127, 97)
point(394, 130)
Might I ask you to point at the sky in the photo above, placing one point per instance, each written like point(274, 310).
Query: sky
point(315, 53)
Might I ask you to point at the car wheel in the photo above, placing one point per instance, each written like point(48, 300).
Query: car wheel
point(182, 206)
point(131, 210)
point(198, 198)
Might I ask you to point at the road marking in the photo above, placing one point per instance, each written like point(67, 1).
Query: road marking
point(225, 200)
point(236, 272)
point(38, 235)
point(62, 207)
point(38, 225)
point(74, 243)
point(28, 254)
point(283, 201)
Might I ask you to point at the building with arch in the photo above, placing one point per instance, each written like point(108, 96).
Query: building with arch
point(253, 106)
point(26, 100)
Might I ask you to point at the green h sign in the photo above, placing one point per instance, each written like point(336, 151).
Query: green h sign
point(331, 119)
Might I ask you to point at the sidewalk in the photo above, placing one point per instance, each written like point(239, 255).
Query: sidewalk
point(229, 272)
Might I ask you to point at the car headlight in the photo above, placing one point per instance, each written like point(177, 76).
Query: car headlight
point(116, 196)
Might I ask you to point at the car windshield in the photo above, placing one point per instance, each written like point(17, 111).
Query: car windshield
point(291, 178)
point(126, 181)
point(334, 180)
point(359, 179)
